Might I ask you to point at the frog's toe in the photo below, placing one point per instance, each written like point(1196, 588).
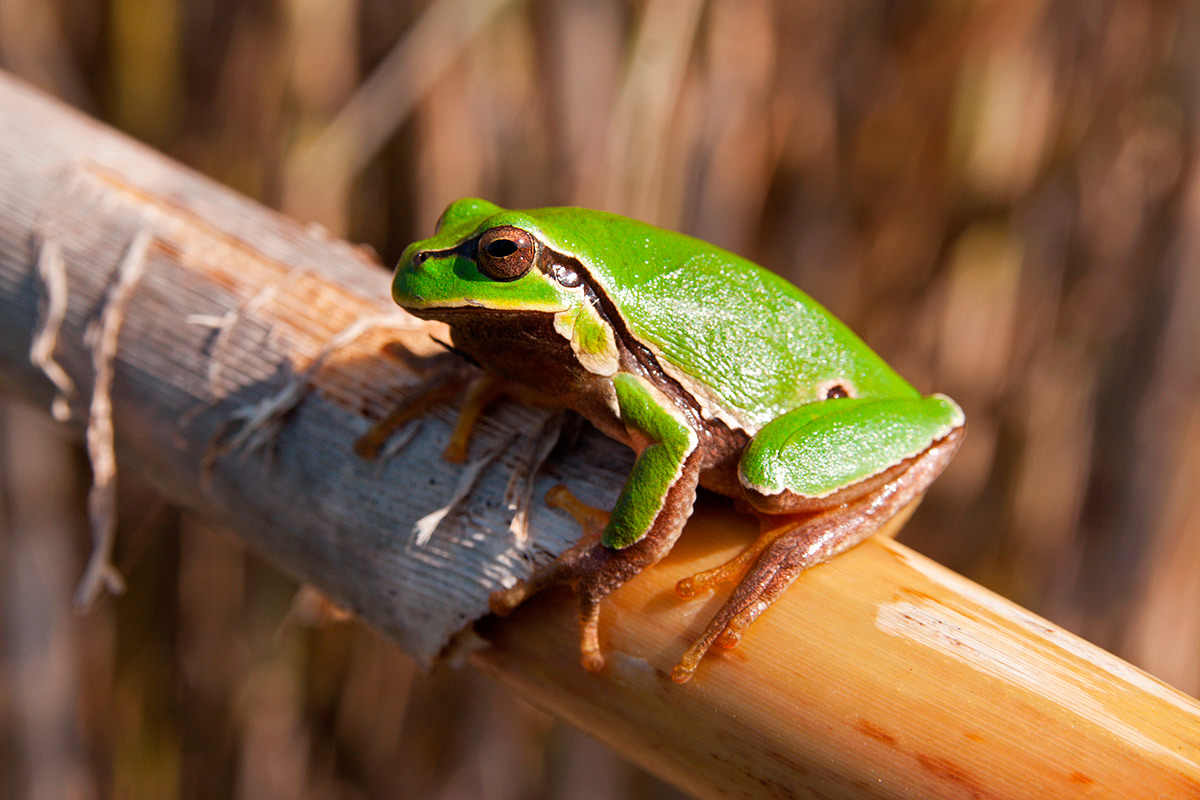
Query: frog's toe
point(503, 602)
point(701, 581)
point(732, 635)
point(588, 567)
point(727, 627)
point(564, 570)
point(591, 519)
point(589, 635)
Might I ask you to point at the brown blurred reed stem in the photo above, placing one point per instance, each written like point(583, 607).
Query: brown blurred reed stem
point(879, 675)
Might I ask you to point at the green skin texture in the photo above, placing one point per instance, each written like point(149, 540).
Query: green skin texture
point(754, 351)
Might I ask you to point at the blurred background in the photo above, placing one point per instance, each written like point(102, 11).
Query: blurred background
point(1002, 198)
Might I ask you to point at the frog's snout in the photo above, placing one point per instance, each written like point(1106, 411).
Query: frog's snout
point(407, 276)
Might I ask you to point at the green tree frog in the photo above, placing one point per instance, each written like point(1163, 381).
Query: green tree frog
point(716, 372)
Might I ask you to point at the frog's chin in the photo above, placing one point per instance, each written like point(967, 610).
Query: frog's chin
point(522, 346)
point(495, 329)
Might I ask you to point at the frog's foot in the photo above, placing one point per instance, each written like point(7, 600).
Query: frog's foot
point(572, 568)
point(594, 571)
point(568, 569)
point(591, 568)
point(562, 569)
point(559, 571)
point(440, 387)
point(783, 553)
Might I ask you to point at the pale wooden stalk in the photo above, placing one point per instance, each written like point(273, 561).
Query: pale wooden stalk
point(879, 675)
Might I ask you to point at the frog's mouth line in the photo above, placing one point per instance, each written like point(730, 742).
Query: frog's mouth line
point(475, 310)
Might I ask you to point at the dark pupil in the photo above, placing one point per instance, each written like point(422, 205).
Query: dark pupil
point(501, 248)
point(836, 391)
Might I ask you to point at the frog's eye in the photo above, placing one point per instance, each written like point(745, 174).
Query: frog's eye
point(506, 253)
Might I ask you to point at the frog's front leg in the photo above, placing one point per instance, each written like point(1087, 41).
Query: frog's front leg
point(645, 522)
point(834, 472)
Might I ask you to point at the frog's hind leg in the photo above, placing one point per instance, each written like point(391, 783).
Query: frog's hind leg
point(813, 538)
point(782, 554)
point(773, 527)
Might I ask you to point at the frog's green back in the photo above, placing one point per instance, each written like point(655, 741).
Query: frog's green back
point(757, 343)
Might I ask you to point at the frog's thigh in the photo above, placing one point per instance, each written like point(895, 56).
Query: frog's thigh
point(829, 452)
point(656, 494)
